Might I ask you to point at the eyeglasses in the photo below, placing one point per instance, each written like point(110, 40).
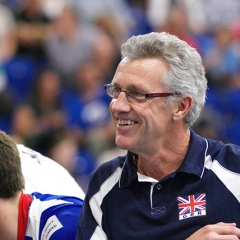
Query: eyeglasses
point(132, 95)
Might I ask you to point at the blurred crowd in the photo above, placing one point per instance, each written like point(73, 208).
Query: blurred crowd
point(56, 55)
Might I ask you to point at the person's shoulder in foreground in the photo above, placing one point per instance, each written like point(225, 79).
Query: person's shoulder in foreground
point(31, 216)
point(44, 175)
point(53, 217)
point(173, 183)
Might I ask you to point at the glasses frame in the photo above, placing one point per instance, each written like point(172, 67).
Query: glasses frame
point(147, 95)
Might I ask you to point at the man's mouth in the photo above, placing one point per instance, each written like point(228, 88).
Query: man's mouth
point(125, 122)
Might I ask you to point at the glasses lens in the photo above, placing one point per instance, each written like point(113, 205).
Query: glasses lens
point(132, 95)
point(135, 96)
point(109, 89)
point(112, 91)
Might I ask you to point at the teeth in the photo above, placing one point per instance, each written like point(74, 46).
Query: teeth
point(125, 122)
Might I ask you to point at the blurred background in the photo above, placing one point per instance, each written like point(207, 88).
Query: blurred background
point(56, 55)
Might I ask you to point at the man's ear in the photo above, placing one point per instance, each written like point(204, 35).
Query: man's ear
point(184, 105)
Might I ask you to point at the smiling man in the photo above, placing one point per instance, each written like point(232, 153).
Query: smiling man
point(172, 184)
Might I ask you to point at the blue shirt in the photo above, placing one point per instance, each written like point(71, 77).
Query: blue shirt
point(86, 114)
point(123, 204)
point(53, 217)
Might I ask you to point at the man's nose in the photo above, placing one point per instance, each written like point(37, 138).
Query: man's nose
point(121, 103)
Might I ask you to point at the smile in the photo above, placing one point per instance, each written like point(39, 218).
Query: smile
point(125, 122)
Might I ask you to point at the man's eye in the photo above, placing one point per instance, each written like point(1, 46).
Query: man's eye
point(117, 90)
point(137, 94)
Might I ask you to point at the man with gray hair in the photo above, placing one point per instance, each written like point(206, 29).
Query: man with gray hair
point(172, 184)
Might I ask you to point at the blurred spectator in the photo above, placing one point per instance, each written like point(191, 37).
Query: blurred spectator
point(8, 42)
point(6, 101)
point(87, 109)
point(23, 124)
point(110, 27)
point(7, 50)
point(106, 56)
point(89, 11)
point(52, 8)
point(19, 71)
point(44, 107)
point(32, 27)
point(158, 12)
point(141, 24)
point(14, 5)
point(206, 126)
point(225, 104)
point(6, 109)
point(203, 16)
point(69, 44)
point(28, 130)
point(221, 61)
point(64, 148)
point(177, 23)
point(46, 102)
point(221, 14)
point(235, 32)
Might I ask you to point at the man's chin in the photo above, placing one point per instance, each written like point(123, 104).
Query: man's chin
point(121, 143)
point(123, 147)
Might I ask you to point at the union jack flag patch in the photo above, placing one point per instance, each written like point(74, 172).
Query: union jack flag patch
point(192, 206)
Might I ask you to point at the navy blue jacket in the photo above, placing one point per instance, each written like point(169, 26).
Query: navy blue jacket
point(204, 190)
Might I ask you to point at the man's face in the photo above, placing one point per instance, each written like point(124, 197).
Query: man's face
point(141, 127)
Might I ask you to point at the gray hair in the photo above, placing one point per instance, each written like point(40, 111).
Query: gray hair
point(185, 75)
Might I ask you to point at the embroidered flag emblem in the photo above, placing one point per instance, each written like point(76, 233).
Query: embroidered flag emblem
point(192, 206)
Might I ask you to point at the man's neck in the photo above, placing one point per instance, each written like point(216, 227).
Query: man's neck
point(9, 218)
point(166, 161)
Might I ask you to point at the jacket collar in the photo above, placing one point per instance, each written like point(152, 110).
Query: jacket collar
point(193, 162)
